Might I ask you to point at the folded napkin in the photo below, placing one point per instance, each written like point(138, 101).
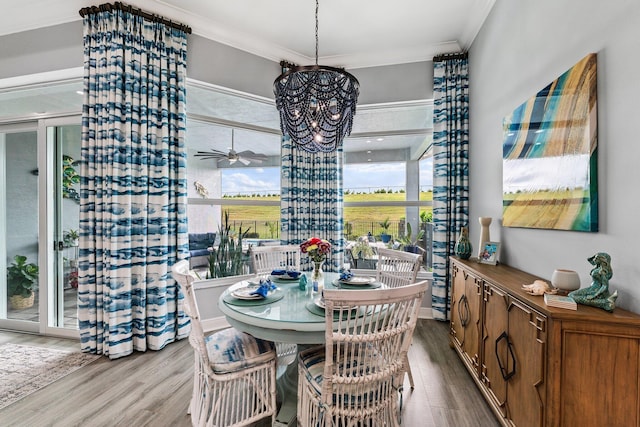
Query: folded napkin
point(346, 275)
point(265, 287)
point(282, 272)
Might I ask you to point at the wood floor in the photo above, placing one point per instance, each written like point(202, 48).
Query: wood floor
point(153, 388)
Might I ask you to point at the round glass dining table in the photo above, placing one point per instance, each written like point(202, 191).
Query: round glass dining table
point(288, 315)
point(289, 318)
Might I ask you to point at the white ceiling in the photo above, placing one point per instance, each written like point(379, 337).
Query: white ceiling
point(352, 33)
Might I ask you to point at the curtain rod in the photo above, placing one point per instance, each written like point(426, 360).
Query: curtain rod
point(454, 55)
point(139, 12)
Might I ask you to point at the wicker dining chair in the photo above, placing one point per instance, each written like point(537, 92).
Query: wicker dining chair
point(352, 379)
point(264, 259)
point(398, 268)
point(234, 372)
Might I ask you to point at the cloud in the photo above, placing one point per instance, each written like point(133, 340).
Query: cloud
point(358, 177)
point(251, 180)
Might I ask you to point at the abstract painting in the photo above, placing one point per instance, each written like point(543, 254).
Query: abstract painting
point(550, 155)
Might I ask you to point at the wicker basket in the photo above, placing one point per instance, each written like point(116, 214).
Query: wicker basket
point(19, 302)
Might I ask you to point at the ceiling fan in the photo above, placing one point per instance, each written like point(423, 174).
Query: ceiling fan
point(244, 157)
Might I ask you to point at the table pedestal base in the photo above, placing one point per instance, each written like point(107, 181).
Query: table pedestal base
point(287, 385)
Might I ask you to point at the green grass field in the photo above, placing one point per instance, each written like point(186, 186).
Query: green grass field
point(257, 217)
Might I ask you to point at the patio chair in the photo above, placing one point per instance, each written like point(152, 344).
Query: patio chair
point(394, 269)
point(234, 373)
point(352, 380)
point(264, 259)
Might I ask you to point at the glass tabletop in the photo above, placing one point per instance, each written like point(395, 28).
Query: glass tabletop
point(285, 319)
point(290, 308)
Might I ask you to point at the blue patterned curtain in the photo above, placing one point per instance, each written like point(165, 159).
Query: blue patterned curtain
point(312, 200)
point(450, 169)
point(133, 224)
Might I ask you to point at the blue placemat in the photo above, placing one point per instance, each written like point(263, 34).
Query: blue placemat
point(274, 296)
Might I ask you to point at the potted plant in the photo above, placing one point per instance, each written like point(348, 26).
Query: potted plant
point(22, 281)
point(70, 238)
point(362, 254)
point(411, 244)
point(70, 178)
point(385, 236)
point(226, 259)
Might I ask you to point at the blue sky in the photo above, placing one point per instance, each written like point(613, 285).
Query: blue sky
point(359, 177)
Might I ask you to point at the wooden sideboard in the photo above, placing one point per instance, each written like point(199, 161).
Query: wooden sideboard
point(538, 365)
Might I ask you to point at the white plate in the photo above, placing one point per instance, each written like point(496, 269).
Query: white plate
point(319, 302)
point(358, 281)
point(245, 293)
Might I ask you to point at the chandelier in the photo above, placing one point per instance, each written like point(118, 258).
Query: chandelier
point(316, 103)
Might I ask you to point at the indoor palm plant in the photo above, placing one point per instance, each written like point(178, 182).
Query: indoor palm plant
point(22, 281)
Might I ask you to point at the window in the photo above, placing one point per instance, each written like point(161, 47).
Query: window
point(385, 174)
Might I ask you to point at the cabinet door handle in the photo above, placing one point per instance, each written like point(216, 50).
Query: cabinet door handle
point(506, 374)
point(463, 310)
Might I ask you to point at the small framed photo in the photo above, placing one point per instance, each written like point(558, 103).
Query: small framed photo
point(489, 253)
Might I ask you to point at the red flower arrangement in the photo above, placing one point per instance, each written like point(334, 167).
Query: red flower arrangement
point(317, 249)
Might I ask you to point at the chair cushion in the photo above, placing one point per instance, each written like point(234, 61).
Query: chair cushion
point(313, 368)
point(230, 350)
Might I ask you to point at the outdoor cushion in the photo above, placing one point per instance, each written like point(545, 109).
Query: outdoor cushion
point(230, 350)
point(199, 244)
point(201, 240)
point(199, 252)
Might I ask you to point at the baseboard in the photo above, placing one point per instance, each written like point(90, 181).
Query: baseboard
point(425, 313)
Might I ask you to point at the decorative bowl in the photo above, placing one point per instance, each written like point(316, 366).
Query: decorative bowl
point(567, 280)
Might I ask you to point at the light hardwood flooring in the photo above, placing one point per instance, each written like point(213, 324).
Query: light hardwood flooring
point(153, 388)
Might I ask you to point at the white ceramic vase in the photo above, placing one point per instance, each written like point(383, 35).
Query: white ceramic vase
point(566, 280)
point(485, 222)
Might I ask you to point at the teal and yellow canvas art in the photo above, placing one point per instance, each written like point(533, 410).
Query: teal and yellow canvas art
point(550, 155)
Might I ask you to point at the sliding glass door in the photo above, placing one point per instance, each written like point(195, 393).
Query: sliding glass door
point(39, 211)
point(66, 154)
point(19, 227)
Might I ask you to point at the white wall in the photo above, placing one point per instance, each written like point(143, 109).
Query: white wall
point(523, 46)
point(60, 47)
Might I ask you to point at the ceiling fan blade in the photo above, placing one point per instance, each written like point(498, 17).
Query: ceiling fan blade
point(213, 154)
point(214, 157)
point(244, 161)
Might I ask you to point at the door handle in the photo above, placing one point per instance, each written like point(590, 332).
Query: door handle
point(463, 310)
point(506, 374)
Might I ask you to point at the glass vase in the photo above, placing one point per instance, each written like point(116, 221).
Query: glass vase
point(317, 277)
